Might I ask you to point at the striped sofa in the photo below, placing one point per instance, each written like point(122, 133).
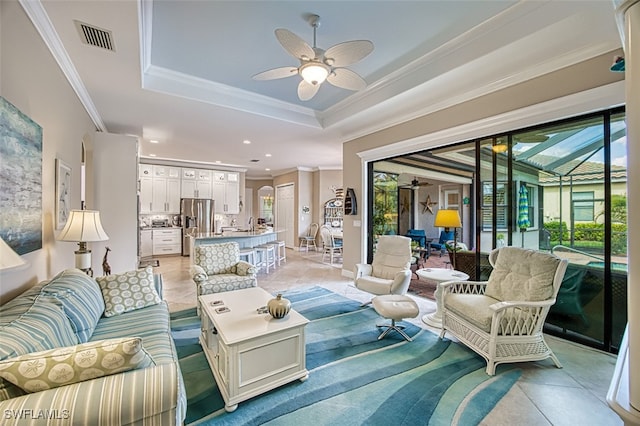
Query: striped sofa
point(68, 311)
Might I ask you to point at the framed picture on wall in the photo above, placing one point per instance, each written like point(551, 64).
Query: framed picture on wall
point(63, 193)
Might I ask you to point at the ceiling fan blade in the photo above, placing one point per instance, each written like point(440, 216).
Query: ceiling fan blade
point(294, 44)
point(346, 79)
point(347, 53)
point(276, 73)
point(307, 91)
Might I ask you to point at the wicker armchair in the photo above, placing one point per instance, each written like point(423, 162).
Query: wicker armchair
point(501, 319)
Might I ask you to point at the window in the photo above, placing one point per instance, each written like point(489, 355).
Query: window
point(487, 205)
point(583, 206)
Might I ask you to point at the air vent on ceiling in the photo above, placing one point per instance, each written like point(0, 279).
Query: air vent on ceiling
point(254, 161)
point(95, 36)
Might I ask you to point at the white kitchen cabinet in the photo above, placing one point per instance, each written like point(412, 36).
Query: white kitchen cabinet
point(166, 195)
point(159, 189)
point(226, 192)
point(167, 241)
point(146, 194)
point(166, 172)
point(196, 183)
point(146, 243)
point(145, 170)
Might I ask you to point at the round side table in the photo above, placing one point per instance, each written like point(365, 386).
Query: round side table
point(439, 275)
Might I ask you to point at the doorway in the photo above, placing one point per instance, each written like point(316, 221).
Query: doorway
point(285, 214)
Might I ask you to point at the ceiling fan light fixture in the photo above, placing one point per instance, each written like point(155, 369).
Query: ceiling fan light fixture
point(499, 148)
point(314, 72)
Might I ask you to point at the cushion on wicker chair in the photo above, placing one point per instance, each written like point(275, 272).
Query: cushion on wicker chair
point(520, 274)
point(472, 307)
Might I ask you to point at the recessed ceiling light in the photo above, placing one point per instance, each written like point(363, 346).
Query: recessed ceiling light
point(268, 169)
point(246, 141)
point(218, 161)
point(153, 141)
point(152, 155)
point(267, 155)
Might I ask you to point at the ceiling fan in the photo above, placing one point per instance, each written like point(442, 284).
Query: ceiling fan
point(317, 65)
point(415, 184)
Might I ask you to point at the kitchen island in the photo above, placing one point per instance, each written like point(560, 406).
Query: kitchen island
point(245, 239)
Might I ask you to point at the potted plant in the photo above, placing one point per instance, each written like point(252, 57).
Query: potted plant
point(500, 240)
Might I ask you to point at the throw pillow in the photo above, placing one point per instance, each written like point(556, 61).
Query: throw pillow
point(81, 299)
point(128, 291)
point(52, 368)
point(522, 275)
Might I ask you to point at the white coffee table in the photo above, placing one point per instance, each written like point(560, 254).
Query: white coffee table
point(250, 353)
point(439, 275)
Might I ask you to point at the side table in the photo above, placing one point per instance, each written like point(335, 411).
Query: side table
point(439, 275)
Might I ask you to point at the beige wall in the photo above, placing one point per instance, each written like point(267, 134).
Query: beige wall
point(575, 79)
point(32, 81)
point(312, 189)
point(304, 195)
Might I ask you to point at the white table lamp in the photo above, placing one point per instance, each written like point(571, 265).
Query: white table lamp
point(83, 226)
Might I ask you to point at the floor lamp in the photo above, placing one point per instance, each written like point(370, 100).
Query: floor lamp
point(449, 219)
point(83, 226)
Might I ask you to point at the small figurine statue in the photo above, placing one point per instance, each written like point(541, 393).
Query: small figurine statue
point(106, 269)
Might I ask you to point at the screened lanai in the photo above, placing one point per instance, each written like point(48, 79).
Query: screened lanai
point(559, 187)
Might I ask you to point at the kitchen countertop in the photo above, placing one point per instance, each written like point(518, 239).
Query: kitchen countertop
point(150, 228)
point(235, 234)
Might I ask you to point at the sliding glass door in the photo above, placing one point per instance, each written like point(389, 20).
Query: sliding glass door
point(559, 188)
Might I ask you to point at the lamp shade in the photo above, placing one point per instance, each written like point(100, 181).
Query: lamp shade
point(83, 226)
point(314, 72)
point(8, 257)
point(448, 219)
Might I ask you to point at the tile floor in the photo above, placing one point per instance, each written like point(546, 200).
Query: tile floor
point(544, 395)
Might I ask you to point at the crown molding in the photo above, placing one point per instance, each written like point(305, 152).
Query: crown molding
point(164, 80)
point(35, 11)
point(187, 163)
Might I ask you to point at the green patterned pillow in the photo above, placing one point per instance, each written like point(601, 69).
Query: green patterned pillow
point(128, 291)
point(52, 368)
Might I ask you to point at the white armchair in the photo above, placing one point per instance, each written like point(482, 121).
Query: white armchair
point(501, 319)
point(390, 272)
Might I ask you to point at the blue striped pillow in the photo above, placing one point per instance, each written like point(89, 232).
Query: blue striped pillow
point(42, 326)
point(81, 299)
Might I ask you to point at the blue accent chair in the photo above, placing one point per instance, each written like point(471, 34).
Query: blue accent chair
point(441, 244)
point(418, 235)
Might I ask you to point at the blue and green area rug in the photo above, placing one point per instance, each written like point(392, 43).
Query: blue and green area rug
point(354, 378)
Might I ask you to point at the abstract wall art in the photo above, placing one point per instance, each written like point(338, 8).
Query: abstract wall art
point(63, 193)
point(20, 179)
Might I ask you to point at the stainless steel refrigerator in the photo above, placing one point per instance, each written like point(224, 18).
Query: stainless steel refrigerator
point(197, 217)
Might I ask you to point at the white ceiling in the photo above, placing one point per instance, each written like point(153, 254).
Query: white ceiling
point(181, 70)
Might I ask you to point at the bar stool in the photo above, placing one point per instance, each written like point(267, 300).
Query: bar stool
point(280, 250)
point(250, 254)
point(266, 256)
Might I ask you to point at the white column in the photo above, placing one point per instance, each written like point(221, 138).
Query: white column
point(632, 95)
point(624, 392)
